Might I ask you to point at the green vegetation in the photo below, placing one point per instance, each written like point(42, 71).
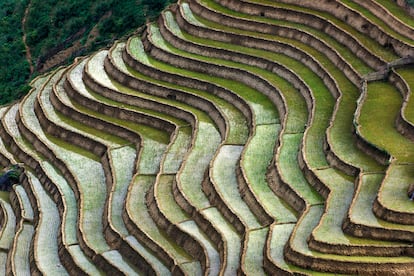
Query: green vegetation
point(57, 31)
point(14, 70)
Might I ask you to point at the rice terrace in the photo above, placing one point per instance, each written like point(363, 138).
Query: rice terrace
point(225, 137)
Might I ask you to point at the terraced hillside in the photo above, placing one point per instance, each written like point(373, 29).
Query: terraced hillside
point(231, 137)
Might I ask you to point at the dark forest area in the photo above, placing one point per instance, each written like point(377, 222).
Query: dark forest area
point(37, 35)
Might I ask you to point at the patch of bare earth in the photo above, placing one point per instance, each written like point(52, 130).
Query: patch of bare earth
point(63, 55)
point(28, 53)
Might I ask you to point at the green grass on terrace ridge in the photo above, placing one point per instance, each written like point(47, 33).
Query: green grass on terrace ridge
point(201, 116)
point(407, 73)
point(377, 21)
point(75, 126)
point(378, 114)
point(154, 134)
point(343, 143)
point(397, 11)
point(95, 65)
point(263, 109)
point(357, 63)
point(324, 101)
point(238, 129)
point(297, 108)
point(368, 42)
point(89, 173)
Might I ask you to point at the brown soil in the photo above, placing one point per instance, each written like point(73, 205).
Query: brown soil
point(65, 54)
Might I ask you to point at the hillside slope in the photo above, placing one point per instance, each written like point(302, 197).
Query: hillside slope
point(39, 35)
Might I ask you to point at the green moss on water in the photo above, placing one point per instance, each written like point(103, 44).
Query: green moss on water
point(280, 236)
point(329, 229)
point(361, 210)
point(394, 188)
point(306, 226)
point(90, 130)
point(231, 237)
point(123, 163)
point(383, 102)
point(138, 211)
point(254, 253)
point(166, 200)
point(290, 170)
point(224, 177)
point(70, 218)
point(178, 149)
point(197, 161)
point(256, 158)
